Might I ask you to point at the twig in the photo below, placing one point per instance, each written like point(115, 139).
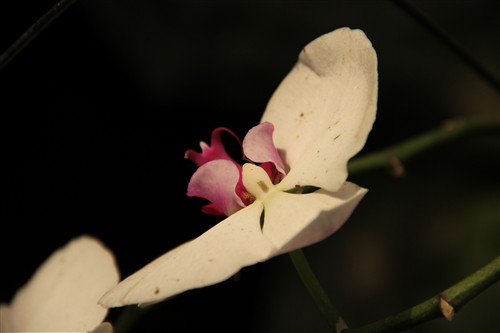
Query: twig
point(452, 130)
point(456, 297)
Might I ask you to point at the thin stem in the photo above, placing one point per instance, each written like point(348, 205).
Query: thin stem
point(33, 32)
point(457, 296)
point(449, 42)
point(314, 287)
point(452, 130)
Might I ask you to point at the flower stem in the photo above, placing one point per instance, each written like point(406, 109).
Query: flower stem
point(314, 287)
point(456, 296)
point(451, 130)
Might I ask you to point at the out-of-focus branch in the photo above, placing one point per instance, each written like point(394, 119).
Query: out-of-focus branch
point(451, 130)
point(445, 304)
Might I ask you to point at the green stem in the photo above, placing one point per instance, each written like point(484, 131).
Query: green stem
point(457, 296)
point(314, 287)
point(452, 130)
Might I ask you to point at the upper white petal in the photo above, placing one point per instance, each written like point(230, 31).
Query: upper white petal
point(214, 256)
point(62, 295)
point(325, 107)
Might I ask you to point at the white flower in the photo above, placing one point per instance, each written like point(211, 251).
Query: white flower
point(62, 295)
point(318, 118)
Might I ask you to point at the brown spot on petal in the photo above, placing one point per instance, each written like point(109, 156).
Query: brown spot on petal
point(247, 197)
point(263, 186)
point(157, 291)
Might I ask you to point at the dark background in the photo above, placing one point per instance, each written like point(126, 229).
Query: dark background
point(96, 114)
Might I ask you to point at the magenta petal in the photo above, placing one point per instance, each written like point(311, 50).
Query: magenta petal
point(216, 181)
point(259, 147)
point(214, 152)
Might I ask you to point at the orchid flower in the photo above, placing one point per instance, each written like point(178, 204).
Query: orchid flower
point(293, 190)
point(62, 295)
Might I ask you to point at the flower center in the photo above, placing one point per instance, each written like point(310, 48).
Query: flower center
point(256, 181)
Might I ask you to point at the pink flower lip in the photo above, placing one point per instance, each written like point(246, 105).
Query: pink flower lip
point(219, 177)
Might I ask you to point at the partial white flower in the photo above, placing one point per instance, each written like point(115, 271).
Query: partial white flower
point(318, 118)
point(62, 295)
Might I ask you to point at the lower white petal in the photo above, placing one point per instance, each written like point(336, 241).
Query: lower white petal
point(293, 221)
point(213, 257)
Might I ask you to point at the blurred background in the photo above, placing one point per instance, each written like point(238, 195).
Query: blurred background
point(98, 111)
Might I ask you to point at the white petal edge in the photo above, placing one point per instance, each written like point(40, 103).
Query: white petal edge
point(213, 257)
point(104, 328)
point(324, 108)
point(294, 221)
point(62, 295)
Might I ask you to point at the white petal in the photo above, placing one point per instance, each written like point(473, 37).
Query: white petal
point(324, 109)
point(213, 257)
point(294, 221)
point(62, 295)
